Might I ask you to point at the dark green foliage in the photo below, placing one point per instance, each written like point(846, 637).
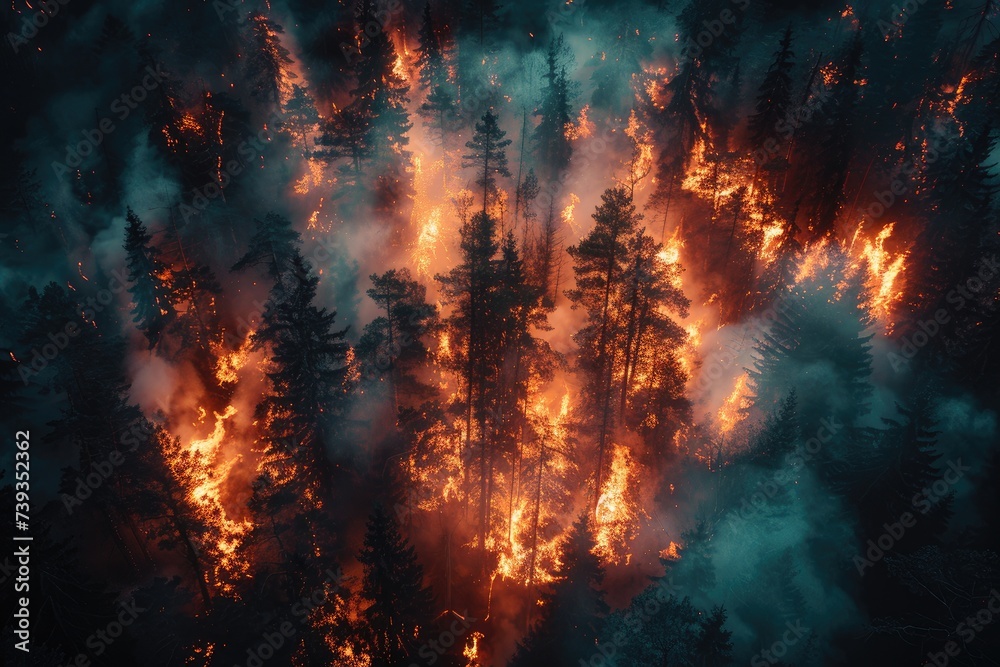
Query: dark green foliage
point(775, 95)
point(572, 611)
point(274, 244)
point(553, 146)
point(151, 294)
point(393, 585)
point(488, 155)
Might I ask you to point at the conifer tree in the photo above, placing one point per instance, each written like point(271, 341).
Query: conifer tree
point(300, 115)
point(573, 611)
point(775, 95)
point(310, 375)
point(392, 343)
point(274, 244)
point(393, 583)
point(439, 107)
point(819, 345)
point(671, 636)
point(554, 149)
point(98, 414)
point(151, 294)
point(469, 289)
point(163, 499)
point(488, 156)
point(374, 125)
point(600, 261)
point(266, 60)
point(714, 647)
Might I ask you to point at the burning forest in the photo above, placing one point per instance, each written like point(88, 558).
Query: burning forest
point(399, 334)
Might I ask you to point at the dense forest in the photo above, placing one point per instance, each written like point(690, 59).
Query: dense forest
point(465, 333)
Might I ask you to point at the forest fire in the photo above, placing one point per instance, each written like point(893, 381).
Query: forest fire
point(386, 334)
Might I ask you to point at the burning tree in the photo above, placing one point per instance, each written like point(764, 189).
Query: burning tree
point(627, 291)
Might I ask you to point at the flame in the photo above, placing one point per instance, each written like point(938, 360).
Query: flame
point(582, 128)
point(567, 213)
point(471, 651)
point(734, 408)
point(641, 160)
point(883, 272)
point(201, 461)
point(399, 68)
point(617, 514)
point(313, 177)
point(773, 233)
point(672, 552)
point(227, 368)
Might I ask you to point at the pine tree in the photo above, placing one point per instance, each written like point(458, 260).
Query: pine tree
point(554, 149)
point(469, 289)
point(310, 376)
point(98, 413)
point(779, 435)
point(381, 92)
point(670, 636)
point(894, 480)
point(624, 48)
point(400, 605)
point(600, 261)
point(300, 115)
point(573, 610)
point(274, 244)
point(439, 107)
point(774, 97)
point(714, 647)
point(488, 156)
point(374, 125)
point(345, 134)
point(830, 139)
point(150, 292)
point(958, 194)
point(819, 345)
point(694, 572)
point(163, 499)
point(392, 343)
point(267, 60)
point(645, 301)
